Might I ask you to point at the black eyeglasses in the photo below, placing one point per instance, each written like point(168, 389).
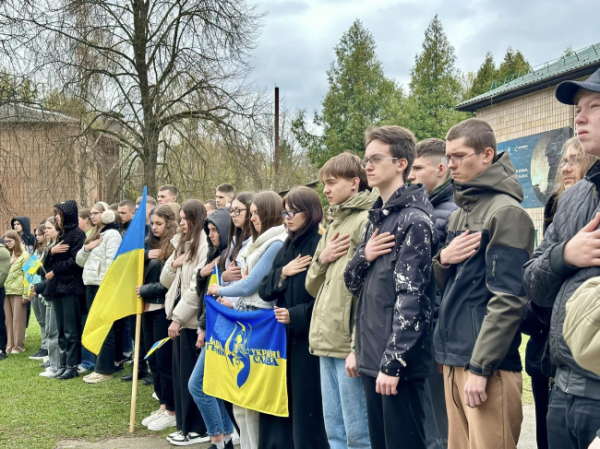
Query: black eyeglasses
point(456, 160)
point(376, 160)
point(290, 213)
point(236, 212)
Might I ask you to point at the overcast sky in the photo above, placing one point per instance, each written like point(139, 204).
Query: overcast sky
point(296, 45)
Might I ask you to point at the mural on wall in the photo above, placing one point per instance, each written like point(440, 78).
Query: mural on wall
point(536, 160)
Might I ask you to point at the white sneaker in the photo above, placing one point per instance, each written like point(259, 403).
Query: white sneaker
point(82, 370)
point(189, 439)
point(49, 373)
point(162, 422)
point(174, 435)
point(235, 437)
point(155, 396)
point(155, 414)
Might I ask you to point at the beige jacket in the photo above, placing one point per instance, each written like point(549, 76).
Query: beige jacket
point(186, 310)
point(582, 325)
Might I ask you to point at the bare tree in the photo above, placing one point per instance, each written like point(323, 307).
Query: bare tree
point(147, 66)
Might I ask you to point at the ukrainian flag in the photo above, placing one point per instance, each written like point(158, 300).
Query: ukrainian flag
point(116, 297)
point(246, 358)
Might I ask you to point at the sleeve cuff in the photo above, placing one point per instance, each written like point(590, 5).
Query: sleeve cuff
point(557, 261)
point(478, 369)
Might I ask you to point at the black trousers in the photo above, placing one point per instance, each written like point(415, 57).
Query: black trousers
point(105, 360)
point(541, 396)
point(156, 327)
point(142, 365)
point(185, 355)
point(68, 321)
point(394, 419)
point(119, 332)
point(3, 336)
point(572, 420)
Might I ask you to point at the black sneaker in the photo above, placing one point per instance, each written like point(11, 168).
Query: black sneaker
point(46, 364)
point(129, 377)
point(189, 439)
point(148, 380)
point(61, 370)
point(3, 355)
point(39, 355)
point(69, 373)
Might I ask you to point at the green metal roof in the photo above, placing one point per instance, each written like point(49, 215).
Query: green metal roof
point(580, 63)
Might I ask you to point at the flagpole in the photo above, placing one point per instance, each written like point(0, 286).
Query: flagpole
point(136, 352)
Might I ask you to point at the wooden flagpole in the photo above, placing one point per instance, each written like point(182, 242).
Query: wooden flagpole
point(136, 352)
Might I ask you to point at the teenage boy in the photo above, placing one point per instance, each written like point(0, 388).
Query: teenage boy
point(224, 195)
point(391, 273)
point(331, 333)
point(477, 336)
point(167, 194)
point(210, 206)
point(568, 256)
point(431, 169)
point(126, 212)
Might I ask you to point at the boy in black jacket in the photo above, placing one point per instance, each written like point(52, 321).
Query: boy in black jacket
point(391, 273)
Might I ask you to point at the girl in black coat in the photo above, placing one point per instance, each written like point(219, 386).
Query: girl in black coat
point(305, 428)
point(154, 320)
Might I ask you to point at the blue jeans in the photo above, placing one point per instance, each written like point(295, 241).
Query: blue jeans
point(212, 409)
point(572, 421)
point(344, 406)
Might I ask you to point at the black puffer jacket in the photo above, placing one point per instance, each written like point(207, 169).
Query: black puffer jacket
point(221, 220)
point(442, 200)
point(153, 292)
point(68, 276)
point(396, 290)
point(549, 281)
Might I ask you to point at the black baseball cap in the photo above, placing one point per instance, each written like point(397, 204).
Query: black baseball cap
point(566, 91)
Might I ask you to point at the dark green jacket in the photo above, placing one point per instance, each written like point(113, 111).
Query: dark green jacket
point(483, 297)
point(4, 264)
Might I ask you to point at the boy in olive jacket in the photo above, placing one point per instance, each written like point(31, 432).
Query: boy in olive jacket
point(331, 334)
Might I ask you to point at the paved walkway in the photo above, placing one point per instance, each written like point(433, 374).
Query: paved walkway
point(527, 440)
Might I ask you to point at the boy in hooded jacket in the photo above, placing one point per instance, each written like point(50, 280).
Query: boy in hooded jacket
point(391, 273)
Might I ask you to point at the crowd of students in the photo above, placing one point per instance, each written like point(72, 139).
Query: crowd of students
point(404, 311)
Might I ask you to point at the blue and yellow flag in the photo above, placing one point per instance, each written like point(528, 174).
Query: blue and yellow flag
point(116, 297)
point(30, 268)
point(246, 358)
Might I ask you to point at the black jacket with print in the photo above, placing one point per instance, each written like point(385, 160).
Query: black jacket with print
point(396, 290)
point(484, 300)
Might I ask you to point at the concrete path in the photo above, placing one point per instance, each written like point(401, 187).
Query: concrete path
point(527, 440)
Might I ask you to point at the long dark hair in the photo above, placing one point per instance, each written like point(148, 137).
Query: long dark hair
point(239, 234)
point(164, 243)
point(269, 206)
point(195, 214)
point(304, 199)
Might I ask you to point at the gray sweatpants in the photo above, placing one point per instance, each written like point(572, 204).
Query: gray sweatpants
point(247, 420)
point(39, 309)
point(52, 336)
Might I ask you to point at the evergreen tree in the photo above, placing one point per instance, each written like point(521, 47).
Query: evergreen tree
point(359, 95)
point(486, 75)
point(513, 66)
point(435, 88)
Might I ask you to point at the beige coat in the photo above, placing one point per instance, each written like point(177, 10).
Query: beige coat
point(581, 329)
point(186, 311)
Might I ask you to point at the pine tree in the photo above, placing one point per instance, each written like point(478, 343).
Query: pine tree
point(513, 66)
point(486, 75)
point(435, 88)
point(359, 95)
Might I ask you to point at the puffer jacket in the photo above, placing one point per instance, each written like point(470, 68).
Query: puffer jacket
point(221, 220)
point(483, 301)
point(549, 281)
point(185, 310)
point(332, 325)
point(68, 276)
point(96, 262)
point(4, 264)
point(582, 325)
point(14, 281)
point(396, 290)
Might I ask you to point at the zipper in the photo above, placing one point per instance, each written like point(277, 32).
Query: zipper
point(494, 267)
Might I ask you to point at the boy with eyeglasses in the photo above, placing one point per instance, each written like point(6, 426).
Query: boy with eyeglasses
point(490, 237)
point(391, 274)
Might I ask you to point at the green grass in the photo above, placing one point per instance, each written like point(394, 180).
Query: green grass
point(37, 412)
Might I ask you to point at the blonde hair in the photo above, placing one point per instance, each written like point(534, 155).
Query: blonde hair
point(587, 160)
point(97, 229)
point(18, 248)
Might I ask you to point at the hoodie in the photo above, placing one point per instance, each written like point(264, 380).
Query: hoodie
point(27, 236)
point(68, 276)
point(396, 290)
point(222, 221)
point(483, 298)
